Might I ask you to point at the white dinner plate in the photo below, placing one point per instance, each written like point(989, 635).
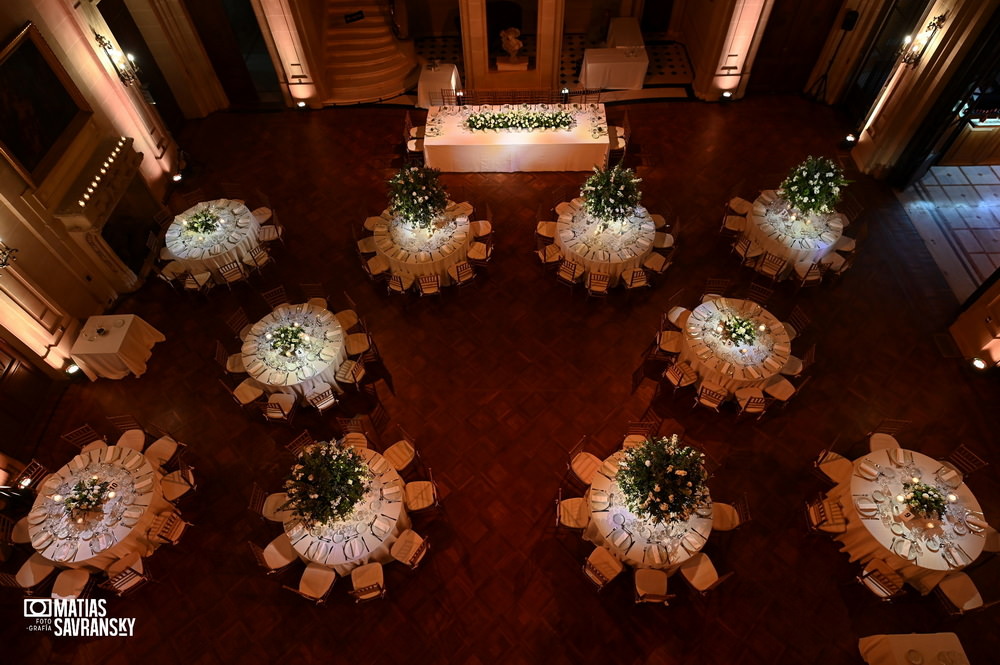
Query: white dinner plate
point(960, 528)
point(897, 528)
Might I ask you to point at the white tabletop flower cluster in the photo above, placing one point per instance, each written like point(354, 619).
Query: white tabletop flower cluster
point(611, 195)
point(813, 186)
point(520, 120)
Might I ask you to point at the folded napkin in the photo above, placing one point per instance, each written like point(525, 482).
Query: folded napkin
point(866, 470)
point(903, 548)
point(691, 542)
point(76, 463)
point(949, 476)
point(866, 505)
point(379, 466)
point(41, 539)
point(391, 492)
point(619, 537)
point(143, 484)
point(654, 554)
point(35, 518)
point(352, 548)
point(975, 522)
point(610, 468)
point(899, 456)
point(382, 525)
point(133, 462)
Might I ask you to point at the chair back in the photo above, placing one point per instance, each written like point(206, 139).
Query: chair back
point(799, 320)
point(257, 498)
point(273, 412)
point(125, 582)
point(759, 293)
point(710, 397)
point(237, 321)
point(595, 575)
point(395, 283)
point(366, 593)
point(313, 290)
point(716, 286)
point(429, 283)
point(965, 460)
point(232, 272)
point(323, 400)
point(465, 271)
point(221, 355)
point(274, 297)
point(598, 283)
point(889, 425)
point(30, 475)
point(299, 443)
point(643, 428)
point(82, 435)
point(418, 554)
point(771, 264)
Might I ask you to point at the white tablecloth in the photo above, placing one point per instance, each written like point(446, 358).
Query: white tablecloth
point(883, 533)
point(233, 238)
point(793, 236)
point(125, 346)
point(637, 541)
point(622, 68)
point(116, 529)
point(929, 648)
point(728, 365)
point(450, 146)
point(611, 250)
point(321, 355)
point(416, 252)
point(432, 82)
point(367, 534)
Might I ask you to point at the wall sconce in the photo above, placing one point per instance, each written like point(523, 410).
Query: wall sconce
point(914, 47)
point(123, 64)
point(6, 255)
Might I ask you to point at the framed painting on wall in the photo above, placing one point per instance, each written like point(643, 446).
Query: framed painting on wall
point(41, 110)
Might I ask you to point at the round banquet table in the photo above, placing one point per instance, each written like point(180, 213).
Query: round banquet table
point(367, 534)
point(730, 365)
point(638, 541)
point(416, 252)
point(301, 374)
point(806, 237)
point(608, 249)
point(233, 238)
point(117, 528)
point(875, 531)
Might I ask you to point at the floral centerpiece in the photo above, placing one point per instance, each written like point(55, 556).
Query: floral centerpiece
point(203, 222)
point(663, 480)
point(86, 495)
point(521, 120)
point(611, 195)
point(287, 340)
point(417, 196)
point(737, 330)
point(326, 483)
point(924, 499)
point(813, 186)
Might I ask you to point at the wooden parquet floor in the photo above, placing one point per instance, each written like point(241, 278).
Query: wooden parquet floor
point(497, 382)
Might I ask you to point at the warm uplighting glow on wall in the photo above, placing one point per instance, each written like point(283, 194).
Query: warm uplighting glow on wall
point(281, 24)
point(739, 44)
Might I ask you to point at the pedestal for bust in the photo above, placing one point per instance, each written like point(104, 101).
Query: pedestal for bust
point(510, 64)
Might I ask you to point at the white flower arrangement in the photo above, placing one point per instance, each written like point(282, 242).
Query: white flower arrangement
point(924, 499)
point(417, 196)
point(520, 120)
point(202, 223)
point(86, 495)
point(813, 186)
point(738, 330)
point(611, 195)
point(663, 480)
point(287, 340)
point(327, 483)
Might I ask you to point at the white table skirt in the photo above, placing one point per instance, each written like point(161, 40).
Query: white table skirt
point(450, 146)
point(931, 648)
point(302, 383)
point(867, 539)
point(614, 68)
point(432, 82)
point(615, 264)
point(129, 465)
point(809, 246)
point(325, 547)
point(229, 251)
point(436, 262)
point(667, 553)
point(124, 348)
point(723, 371)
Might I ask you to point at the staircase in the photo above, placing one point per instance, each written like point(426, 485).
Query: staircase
point(364, 62)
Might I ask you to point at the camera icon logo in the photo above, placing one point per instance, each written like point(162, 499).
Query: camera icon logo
point(37, 608)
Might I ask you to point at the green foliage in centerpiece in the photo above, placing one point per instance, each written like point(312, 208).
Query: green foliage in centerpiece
point(663, 480)
point(327, 482)
point(417, 196)
point(523, 120)
point(611, 195)
point(86, 495)
point(204, 222)
point(738, 330)
point(286, 339)
point(924, 499)
point(813, 186)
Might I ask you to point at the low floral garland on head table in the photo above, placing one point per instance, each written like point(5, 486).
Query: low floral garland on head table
point(523, 120)
point(663, 480)
point(327, 483)
point(611, 195)
point(813, 186)
point(417, 196)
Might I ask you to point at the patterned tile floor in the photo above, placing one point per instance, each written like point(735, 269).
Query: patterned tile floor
point(956, 210)
point(497, 382)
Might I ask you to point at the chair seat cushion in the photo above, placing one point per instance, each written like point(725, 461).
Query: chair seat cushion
point(70, 583)
point(699, 571)
point(279, 552)
point(400, 454)
point(724, 517)
point(670, 341)
point(585, 465)
point(740, 206)
point(651, 581)
point(272, 507)
point(574, 513)
point(419, 495)
point(316, 580)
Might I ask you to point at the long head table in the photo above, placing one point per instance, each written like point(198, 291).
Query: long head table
point(449, 145)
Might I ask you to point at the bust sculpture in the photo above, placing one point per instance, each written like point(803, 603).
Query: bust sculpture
point(511, 44)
